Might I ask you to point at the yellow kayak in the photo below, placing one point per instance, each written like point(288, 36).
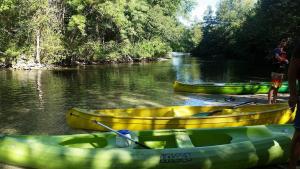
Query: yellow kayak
point(180, 117)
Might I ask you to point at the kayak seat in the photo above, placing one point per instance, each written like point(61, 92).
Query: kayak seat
point(173, 113)
point(170, 113)
point(206, 138)
point(158, 140)
point(183, 140)
point(85, 142)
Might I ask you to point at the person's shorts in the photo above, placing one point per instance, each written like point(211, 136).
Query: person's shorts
point(277, 79)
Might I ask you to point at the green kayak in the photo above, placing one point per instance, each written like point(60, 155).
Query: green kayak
point(228, 88)
point(219, 148)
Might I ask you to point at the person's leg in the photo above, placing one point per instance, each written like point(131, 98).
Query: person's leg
point(271, 95)
point(271, 90)
point(294, 150)
point(278, 84)
point(275, 92)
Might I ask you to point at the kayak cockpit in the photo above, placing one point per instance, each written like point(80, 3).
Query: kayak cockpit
point(155, 140)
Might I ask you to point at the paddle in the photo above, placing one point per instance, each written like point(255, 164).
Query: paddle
point(216, 111)
point(115, 131)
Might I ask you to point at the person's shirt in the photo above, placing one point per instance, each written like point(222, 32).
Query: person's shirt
point(277, 52)
point(280, 60)
point(280, 55)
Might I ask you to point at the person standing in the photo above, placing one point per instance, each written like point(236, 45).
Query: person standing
point(279, 67)
point(293, 76)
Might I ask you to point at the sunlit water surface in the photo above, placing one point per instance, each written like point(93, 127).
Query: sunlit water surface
point(35, 101)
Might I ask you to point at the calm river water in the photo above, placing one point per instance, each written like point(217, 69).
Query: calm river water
point(35, 101)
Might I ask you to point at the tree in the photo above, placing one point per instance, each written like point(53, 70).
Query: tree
point(65, 31)
point(249, 29)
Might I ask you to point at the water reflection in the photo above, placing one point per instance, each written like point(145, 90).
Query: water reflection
point(194, 70)
point(35, 101)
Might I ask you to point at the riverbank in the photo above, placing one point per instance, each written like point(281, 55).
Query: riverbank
point(24, 64)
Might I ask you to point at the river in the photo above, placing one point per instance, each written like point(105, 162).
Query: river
point(35, 101)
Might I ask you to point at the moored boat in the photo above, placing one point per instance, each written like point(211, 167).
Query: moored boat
point(226, 148)
point(228, 88)
point(176, 117)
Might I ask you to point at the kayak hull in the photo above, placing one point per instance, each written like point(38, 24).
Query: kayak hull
point(228, 148)
point(228, 88)
point(179, 117)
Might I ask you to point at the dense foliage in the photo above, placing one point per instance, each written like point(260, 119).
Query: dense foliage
point(65, 31)
point(68, 31)
point(249, 29)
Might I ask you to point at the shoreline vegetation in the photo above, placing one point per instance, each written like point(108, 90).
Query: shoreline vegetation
point(67, 32)
point(25, 64)
point(249, 30)
point(41, 33)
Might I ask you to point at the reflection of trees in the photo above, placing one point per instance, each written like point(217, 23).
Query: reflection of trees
point(122, 85)
point(39, 87)
point(30, 101)
point(194, 70)
point(187, 68)
point(17, 95)
point(224, 71)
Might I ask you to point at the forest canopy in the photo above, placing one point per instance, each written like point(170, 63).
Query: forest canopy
point(249, 29)
point(88, 31)
point(65, 31)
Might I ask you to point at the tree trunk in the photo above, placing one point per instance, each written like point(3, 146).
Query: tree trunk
point(38, 48)
point(60, 11)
